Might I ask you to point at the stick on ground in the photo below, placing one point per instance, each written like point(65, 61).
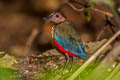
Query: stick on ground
point(93, 57)
point(30, 40)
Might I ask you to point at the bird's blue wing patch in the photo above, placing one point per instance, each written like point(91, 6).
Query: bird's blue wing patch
point(69, 46)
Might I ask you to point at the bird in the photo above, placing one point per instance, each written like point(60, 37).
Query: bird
point(66, 37)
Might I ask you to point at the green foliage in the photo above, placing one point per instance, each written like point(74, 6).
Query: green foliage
point(87, 17)
point(62, 74)
point(59, 73)
point(95, 71)
point(7, 71)
point(8, 74)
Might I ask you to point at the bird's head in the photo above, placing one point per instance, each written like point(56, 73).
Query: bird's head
point(55, 17)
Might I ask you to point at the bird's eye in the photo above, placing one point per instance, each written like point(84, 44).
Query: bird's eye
point(57, 16)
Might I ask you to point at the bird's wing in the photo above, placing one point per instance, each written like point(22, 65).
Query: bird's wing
point(66, 36)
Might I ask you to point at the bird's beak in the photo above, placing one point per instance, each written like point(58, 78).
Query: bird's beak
point(47, 18)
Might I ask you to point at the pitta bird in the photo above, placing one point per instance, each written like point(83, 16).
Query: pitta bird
point(65, 37)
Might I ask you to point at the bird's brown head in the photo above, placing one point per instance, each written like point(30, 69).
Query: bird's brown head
point(56, 17)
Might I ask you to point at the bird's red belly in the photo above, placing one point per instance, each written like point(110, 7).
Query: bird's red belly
point(62, 49)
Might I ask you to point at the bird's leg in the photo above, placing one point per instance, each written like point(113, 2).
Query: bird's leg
point(67, 60)
point(73, 59)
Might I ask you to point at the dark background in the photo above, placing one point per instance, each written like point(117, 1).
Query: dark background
point(19, 17)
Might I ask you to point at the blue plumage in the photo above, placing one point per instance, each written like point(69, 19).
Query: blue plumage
point(68, 46)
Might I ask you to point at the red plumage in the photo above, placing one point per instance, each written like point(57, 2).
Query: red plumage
point(62, 49)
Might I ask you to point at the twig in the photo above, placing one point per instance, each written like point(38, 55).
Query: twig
point(74, 8)
point(93, 57)
point(102, 12)
point(30, 41)
point(95, 9)
point(78, 2)
point(106, 64)
point(101, 33)
point(109, 24)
